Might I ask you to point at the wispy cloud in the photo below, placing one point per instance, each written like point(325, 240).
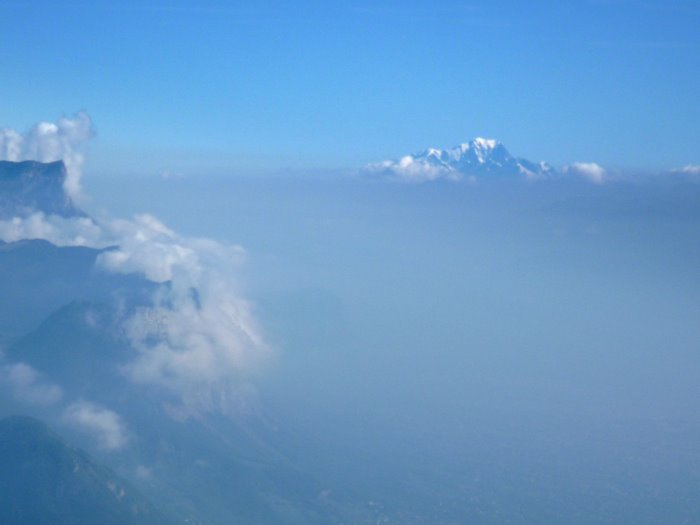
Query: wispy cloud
point(689, 172)
point(690, 169)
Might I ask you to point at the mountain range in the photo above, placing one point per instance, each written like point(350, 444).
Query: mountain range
point(477, 158)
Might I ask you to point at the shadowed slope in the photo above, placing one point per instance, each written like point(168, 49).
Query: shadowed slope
point(44, 481)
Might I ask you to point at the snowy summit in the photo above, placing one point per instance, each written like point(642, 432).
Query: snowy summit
point(477, 158)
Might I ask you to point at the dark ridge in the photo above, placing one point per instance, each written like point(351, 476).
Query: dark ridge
point(29, 186)
point(45, 481)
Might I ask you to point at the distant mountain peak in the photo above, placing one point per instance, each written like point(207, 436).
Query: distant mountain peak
point(30, 186)
point(478, 157)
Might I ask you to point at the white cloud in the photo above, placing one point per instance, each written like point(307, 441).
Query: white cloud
point(51, 141)
point(588, 170)
point(198, 337)
point(104, 425)
point(10, 145)
point(412, 169)
point(690, 169)
point(148, 247)
point(60, 231)
point(29, 386)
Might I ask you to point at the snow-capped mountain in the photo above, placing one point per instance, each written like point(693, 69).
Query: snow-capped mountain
point(29, 186)
point(477, 158)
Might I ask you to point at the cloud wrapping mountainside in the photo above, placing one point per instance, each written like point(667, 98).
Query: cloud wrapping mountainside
point(198, 330)
point(196, 338)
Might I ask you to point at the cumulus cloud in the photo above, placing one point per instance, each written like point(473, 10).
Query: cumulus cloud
point(29, 386)
point(412, 169)
point(51, 141)
point(104, 425)
point(590, 171)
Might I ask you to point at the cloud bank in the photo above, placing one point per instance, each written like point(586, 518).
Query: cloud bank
point(471, 161)
point(412, 169)
point(51, 141)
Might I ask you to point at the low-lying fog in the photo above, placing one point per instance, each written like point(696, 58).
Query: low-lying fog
point(534, 347)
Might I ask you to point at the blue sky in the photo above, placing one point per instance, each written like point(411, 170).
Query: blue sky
point(210, 86)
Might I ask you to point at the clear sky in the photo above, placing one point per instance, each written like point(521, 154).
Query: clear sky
point(210, 85)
